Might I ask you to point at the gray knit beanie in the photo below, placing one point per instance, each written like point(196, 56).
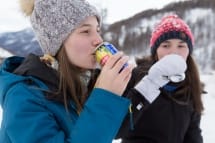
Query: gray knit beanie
point(54, 20)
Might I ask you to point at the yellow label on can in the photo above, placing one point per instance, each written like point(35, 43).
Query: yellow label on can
point(102, 55)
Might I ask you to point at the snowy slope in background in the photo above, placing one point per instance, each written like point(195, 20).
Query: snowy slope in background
point(4, 53)
point(208, 118)
point(132, 35)
point(20, 43)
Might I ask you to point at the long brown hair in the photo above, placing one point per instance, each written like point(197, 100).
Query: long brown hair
point(193, 81)
point(192, 86)
point(71, 87)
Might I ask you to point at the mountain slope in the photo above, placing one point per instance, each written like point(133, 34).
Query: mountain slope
point(20, 43)
point(132, 35)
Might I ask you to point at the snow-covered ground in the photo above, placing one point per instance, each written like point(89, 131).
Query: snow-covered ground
point(208, 118)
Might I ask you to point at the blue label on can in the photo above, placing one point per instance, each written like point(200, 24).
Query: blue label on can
point(111, 48)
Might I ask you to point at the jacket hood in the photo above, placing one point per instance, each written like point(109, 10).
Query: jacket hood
point(7, 78)
point(16, 69)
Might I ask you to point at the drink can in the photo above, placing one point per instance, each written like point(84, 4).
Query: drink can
point(104, 51)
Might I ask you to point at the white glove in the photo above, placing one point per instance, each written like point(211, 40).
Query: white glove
point(160, 74)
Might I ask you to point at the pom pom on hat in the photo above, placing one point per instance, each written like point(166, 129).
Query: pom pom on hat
point(171, 27)
point(27, 6)
point(54, 20)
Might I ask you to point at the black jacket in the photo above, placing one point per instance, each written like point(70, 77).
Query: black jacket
point(166, 120)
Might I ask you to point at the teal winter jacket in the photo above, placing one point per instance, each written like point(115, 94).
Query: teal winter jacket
point(29, 117)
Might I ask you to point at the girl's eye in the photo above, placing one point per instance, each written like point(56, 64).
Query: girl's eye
point(181, 46)
point(85, 31)
point(164, 45)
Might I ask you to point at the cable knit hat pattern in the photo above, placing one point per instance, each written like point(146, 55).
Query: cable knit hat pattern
point(171, 27)
point(54, 20)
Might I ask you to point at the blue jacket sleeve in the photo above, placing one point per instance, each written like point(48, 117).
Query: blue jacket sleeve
point(101, 118)
point(27, 119)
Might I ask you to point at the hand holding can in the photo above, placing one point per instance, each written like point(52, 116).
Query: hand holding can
point(111, 77)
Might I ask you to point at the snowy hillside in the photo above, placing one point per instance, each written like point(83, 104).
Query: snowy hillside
point(4, 53)
point(208, 119)
point(21, 43)
point(132, 35)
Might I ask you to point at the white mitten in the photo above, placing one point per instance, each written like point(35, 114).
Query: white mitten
point(160, 74)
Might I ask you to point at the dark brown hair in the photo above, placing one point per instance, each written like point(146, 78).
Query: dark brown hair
point(193, 81)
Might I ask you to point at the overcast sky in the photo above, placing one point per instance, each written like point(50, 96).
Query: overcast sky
point(11, 19)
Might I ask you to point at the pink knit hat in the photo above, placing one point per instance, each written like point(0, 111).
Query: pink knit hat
point(171, 27)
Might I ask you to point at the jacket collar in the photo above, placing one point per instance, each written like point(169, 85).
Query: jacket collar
point(32, 66)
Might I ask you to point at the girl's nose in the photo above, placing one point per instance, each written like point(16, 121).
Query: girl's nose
point(174, 50)
point(98, 40)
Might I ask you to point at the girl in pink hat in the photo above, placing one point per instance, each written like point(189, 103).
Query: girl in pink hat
point(166, 98)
